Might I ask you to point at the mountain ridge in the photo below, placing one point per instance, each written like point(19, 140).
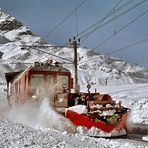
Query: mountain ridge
point(17, 43)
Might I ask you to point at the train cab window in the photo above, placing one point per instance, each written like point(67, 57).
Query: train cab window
point(62, 83)
point(36, 82)
point(50, 80)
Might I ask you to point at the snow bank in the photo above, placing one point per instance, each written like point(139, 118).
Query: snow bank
point(145, 138)
point(80, 109)
point(13, 134)
point(95, 132)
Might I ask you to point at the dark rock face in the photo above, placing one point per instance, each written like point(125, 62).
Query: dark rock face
point(28, 32)
point(1, 54)
point(9, 25)
point(4, 40)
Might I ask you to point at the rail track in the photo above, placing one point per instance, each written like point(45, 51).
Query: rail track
point(135, 137)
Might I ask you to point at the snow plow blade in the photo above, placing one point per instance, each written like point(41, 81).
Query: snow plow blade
point(107, 130)
point(82, 120)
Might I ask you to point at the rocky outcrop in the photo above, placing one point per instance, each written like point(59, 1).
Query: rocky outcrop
point(9, 25)
point(4, 40)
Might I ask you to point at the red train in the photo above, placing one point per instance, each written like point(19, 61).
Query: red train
point(23, 85)
point(56, 84)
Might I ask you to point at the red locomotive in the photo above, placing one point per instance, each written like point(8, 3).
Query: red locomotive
point(23, 85)
point(100, 110)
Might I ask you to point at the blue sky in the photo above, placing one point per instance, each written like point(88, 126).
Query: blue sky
point(41, 16)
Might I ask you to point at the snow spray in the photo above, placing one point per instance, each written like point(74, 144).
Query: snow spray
point(41, 114)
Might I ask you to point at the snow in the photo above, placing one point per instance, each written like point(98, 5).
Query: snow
point(13, 134)
point(4, 16)
point(145, 138)
point(80, 109)
point(28, 131)
point(40, 126)
point(95, 132)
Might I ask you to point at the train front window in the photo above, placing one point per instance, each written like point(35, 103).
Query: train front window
point(50, 80)
point(62, 83)
point(36, 82)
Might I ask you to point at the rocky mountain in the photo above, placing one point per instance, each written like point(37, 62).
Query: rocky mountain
point(19, 47)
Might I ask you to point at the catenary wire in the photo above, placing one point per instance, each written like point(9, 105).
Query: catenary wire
point(52, 55)
point(100, 21)
point(77, 27)
point(139, 16)
point(99, 27)
point(136, 43)
point(61, 22)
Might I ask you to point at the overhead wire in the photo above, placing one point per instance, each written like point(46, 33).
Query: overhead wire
point(114, 22)
point(52, 54)
point(112, 19)
point(100, 21)
point(139, 16)
point(136, 43)
point(108, 15)
point(94, 69)
point(61, 22)
point(77, 28)
point(78, 34)
point(97, 26)
point(119, 16)
point(129, 89)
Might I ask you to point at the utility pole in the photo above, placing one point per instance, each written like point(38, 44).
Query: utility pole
point(74, 43)
point(106, 81)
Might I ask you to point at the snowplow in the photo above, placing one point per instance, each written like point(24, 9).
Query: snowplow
point(93, 114)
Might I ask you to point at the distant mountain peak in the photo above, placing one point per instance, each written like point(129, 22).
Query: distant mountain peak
point(8, 23)
point(94, 68)
point(13, 30)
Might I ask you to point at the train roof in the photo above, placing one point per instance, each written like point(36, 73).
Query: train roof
point(46, 67)
point(11, 76)
point(36, 67)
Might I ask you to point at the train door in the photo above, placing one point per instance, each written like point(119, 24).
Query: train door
point(62, 83)
point(50, 82)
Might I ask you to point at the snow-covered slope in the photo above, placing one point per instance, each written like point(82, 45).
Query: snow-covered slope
point(93, 68)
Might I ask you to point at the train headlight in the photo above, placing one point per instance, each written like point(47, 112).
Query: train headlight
point(34, 97)
point(64, 87)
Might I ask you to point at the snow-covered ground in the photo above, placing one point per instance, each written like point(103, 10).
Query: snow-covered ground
point(24, 128)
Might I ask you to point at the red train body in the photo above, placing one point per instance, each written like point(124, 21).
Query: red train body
point(56, 83)
point(23, 85)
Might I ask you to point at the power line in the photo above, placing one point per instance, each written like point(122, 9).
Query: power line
point(108, 15)
point(76, 15)
point(60, 23)
point(136, 43)
point(99, 27)
point(100, 21)
point(121, 29)
point(114, 23)
point(129, 89)
point(52, 54)
point(42, 46)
